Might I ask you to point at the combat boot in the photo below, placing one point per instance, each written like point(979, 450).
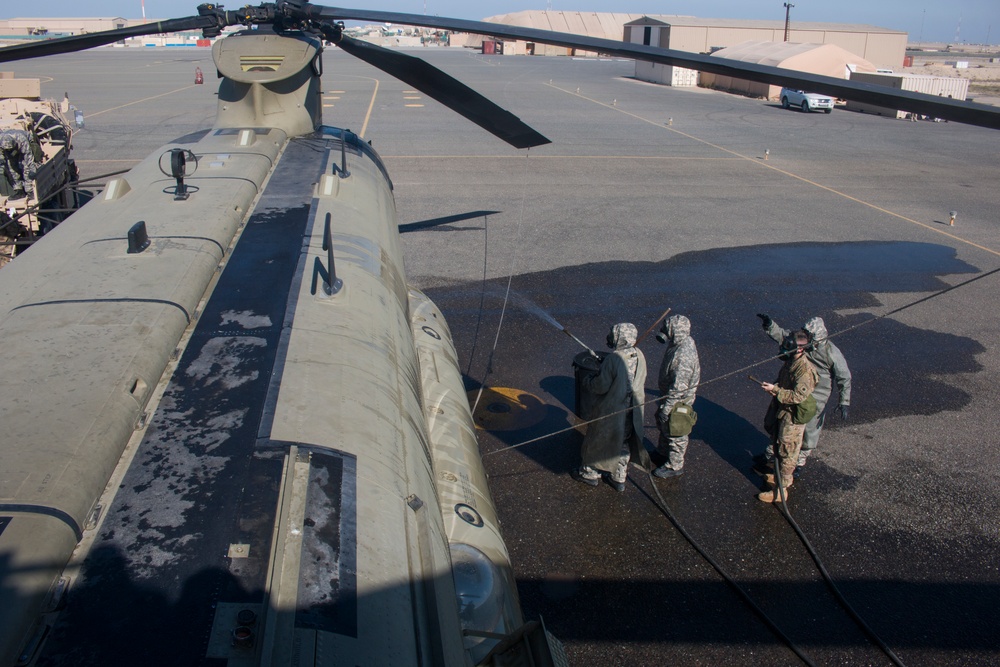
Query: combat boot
point(772, 495)
point(762, 464)
point(613, 483)
point(769, 480)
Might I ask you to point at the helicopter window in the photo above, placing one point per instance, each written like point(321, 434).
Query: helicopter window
point(228, 131)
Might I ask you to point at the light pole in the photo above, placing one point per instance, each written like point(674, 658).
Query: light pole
point(788, 9)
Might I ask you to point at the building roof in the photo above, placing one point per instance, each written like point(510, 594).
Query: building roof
point(593, 24)
point(609, 25)
point(827, 59)
point(694, 22)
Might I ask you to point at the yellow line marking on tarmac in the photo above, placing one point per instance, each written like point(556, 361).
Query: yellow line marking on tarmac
point(368, 114)
point(329, 106)
point(335, 97)
point(371, 104)
point(410, 92)
point(413, 106)
point(145, 99)
point(757, 161)
point(411, 97)
point(336, 92)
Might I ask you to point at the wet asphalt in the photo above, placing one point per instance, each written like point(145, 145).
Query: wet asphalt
point(652, 197)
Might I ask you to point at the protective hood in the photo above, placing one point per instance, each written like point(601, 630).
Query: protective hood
point(817, 329)
point(622, 335)
point(676, 329)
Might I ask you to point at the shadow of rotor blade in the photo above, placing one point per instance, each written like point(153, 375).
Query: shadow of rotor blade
point(448, 219)
point(447, 90)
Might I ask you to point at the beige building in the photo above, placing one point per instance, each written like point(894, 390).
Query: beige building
point(880, 47)
point(591, 24)
point(64, 26)
point(825, 59)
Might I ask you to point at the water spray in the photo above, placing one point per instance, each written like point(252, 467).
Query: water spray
point(585, 346)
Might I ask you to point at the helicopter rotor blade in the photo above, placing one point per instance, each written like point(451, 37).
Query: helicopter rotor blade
point(75, 43)
point(930, 105)
point(447, 90)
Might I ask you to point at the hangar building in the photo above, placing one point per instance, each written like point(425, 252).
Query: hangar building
point(825, 59)
point(872, 46)
point(64, 26)
point(880, 47)
point(591, 24)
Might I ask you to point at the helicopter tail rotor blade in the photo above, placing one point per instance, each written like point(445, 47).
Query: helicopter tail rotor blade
point(447, 90)
point(75, 43)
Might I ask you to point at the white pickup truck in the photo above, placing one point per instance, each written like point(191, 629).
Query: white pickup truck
point(806, 101)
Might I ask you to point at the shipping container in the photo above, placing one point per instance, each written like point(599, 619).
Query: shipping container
point(944, 86)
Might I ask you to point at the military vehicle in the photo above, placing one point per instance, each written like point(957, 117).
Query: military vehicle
point(233, 433)
point(53, 194)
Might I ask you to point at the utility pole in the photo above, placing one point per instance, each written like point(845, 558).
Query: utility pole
point(788, 10)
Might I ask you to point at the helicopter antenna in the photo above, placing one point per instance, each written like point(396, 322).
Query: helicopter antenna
point(179, 159)
point(343, 158)
point(333, 284)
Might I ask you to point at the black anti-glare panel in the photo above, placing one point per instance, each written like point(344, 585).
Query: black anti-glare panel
point(198, 485)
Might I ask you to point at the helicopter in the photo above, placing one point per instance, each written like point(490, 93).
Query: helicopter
point(350, 503)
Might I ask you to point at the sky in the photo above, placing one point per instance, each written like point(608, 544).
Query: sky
point(972, 21)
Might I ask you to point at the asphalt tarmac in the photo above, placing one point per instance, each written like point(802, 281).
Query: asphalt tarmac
point(719, 207)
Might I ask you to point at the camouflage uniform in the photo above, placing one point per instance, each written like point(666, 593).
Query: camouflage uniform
point(796, 381)
point(831, 365)
point(18, 160)
point(610, 443)
point(680, 374)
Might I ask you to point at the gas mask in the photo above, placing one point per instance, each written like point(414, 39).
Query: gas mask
point(662, 334)
point(611, 339)
point(793, 342)
point(789, 347)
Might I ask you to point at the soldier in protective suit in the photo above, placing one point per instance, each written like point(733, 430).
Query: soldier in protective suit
point(618, 386)
point(680, 374)
point(18, 161)
point(830, 364)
